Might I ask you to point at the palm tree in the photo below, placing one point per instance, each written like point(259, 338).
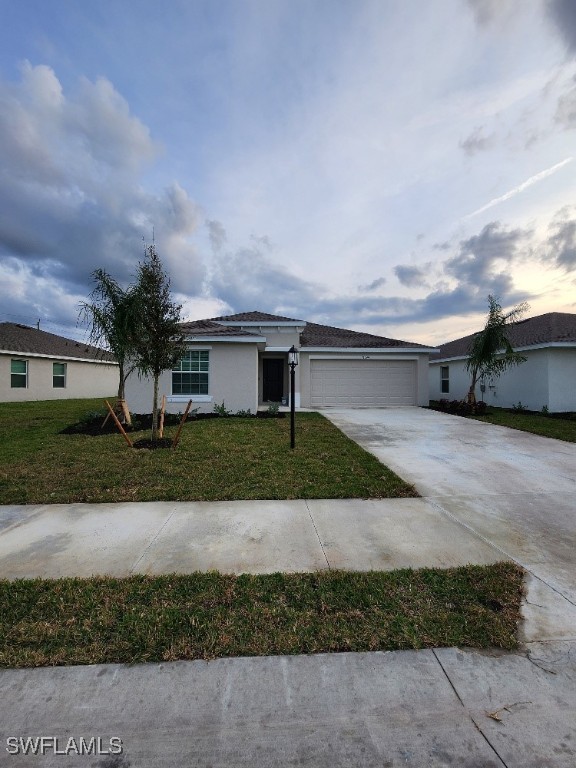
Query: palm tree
point(111, 317)
point(490, 352)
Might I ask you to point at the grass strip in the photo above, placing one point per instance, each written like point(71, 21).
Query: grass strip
point(209, 615)
point(216, 460)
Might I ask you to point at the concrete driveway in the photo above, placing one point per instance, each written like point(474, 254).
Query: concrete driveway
point(513, 490)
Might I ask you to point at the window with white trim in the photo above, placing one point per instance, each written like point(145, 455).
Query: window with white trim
point(445, 379)
point(19, 374)
point(59, 375)
point(190, 375)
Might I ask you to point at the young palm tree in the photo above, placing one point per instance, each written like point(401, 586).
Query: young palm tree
point(490, 352)
point(111, 317)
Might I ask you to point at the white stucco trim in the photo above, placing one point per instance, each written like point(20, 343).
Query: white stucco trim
point(227, 339)
point(278, 349)
point(57, 357)
point(186, 398)
point(372, 350)
point(544, 345)
point(349, 356)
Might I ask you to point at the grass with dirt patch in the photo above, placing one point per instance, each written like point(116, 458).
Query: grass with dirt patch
point(217, 459)
point(210, 615)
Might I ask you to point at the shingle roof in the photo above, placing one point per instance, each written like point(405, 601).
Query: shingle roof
point(256, 317)
point(212, 328)
point(551, 328)
point(315, 335)
point(23, 339)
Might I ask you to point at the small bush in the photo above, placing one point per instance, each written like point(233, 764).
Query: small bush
point(481, 408)
point(273, 409)
point(221, 410)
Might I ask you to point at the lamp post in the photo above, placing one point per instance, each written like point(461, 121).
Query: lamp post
point(292, 362)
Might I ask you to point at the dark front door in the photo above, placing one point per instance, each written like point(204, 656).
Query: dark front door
point(273, 379)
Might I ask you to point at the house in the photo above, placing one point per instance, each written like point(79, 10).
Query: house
point(36, 365)
point(547, 378)
point(242, 360)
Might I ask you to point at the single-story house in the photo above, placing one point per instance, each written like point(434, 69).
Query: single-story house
point(36, 365)
point(547, 378)
point(241, 360)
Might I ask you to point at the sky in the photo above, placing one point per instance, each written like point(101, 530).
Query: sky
point(380, 165)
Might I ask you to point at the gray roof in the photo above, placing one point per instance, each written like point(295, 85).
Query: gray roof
point(23, 339)
point(315, 335)
point(551, 328)
point(256, 317)
point(212, 328)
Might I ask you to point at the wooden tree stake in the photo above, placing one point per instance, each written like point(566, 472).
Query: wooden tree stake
point(120, 427)
point(177, 436)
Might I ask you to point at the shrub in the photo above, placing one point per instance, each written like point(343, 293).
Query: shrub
point(221, 410)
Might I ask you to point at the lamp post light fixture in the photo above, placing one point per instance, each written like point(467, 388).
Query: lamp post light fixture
point(292, 362)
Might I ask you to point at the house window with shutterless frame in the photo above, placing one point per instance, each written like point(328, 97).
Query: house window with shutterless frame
point(190, 374)
point(445, 379)
point(19, 374)
point(59, 375)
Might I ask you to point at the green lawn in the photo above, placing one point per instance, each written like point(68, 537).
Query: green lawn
point(217, 459)
point(560, 426)
point(209, 615)
point(537, 423)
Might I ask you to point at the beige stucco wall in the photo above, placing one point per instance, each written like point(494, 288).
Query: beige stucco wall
point(83, 379)
point(547, 378)
point(303, 371)
point(562, 379)
point(232, 379)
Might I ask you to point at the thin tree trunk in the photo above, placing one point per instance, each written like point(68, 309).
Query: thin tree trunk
point(155, 408)
point(472, 391)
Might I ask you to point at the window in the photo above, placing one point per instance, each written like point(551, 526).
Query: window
point(58, 375)
point(19, 374)
point(190, 375)
point(445, 378)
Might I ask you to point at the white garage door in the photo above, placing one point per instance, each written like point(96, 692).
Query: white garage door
point(356, 383)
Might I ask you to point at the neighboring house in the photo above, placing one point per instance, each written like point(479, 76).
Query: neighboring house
point(242, 360)
point(547, 378)
point(36, 365)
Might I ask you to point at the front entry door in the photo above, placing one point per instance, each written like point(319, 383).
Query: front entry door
point(273, 379)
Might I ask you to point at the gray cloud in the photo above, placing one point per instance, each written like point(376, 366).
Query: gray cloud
point(563, 13)
point(478, 141)
point(411, 277)
point(479, 256)
point(71, 193)
point(566, 109)
point(562, 241)
point(374, 285)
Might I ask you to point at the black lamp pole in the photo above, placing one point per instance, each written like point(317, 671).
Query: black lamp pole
point(292, 362)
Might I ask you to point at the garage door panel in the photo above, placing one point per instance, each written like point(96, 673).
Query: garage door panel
point(358, 383)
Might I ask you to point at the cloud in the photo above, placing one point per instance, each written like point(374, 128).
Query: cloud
point(411, 277)
point(486, 11)
point(482, 256)
point(477, 142)
point(374, 285)
point(566, 110)
point(71, 191)
point(562, 240)
point(563, 13)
